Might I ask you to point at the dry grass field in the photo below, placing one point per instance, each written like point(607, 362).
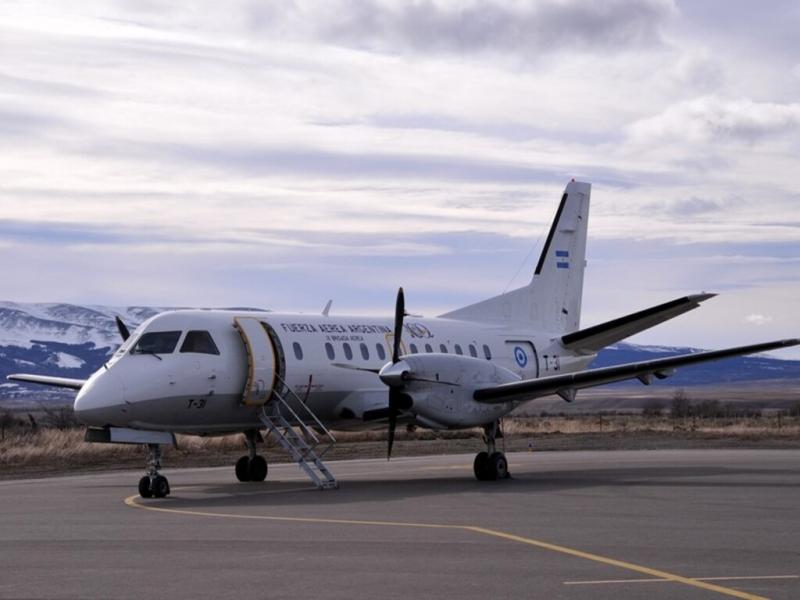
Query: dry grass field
point(25, 452)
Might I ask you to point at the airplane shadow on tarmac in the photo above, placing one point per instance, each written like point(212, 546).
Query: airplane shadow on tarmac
point(209, 496)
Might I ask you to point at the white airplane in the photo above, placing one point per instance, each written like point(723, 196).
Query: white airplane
point(213, 372)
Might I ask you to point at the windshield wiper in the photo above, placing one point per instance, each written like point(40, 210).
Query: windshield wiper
point(150, 352)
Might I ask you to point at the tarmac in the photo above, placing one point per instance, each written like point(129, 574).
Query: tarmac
point(583, 525)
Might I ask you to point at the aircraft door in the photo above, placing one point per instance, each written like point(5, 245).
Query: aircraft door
point(261, 361)
point(524, 359)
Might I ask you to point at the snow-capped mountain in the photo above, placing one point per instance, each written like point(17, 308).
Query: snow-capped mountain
point(71, 340)
point(67, 340)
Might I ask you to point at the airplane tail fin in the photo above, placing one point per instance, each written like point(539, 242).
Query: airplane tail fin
point(552, 300)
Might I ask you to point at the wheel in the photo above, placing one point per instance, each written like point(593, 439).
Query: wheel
point(160, 487)
point(144, 487)
point(481, 466)
point(498, 466)
point(242, 469)
point(258, 468)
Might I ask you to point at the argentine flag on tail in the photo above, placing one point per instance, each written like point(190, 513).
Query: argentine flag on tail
point(562, 257)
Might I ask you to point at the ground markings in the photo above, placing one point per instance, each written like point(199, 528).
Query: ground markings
point(658, 574)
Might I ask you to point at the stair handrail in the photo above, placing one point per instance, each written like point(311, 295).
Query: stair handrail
point(308, 411)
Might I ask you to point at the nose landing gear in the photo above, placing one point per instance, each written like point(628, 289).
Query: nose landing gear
point(252, 466)
point(153, 484)
point(491, 465)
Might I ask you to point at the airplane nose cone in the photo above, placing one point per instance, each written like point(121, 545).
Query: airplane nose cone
point(99, 401)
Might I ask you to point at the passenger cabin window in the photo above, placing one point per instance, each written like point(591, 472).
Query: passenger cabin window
point(381, 351)
point(413, 348)
point(199, 342)
point(473, 352)
point(157, 342)
point(487, 352)
point(442, 348)
point(329, 350)
point(364, 352)
point(348, 351)
point(298, 351)
point(428, 348)
point(459, 351)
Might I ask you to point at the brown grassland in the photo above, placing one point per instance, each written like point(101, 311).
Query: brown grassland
point(32, 452)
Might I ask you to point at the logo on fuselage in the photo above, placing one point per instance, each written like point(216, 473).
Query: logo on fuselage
point(418, 330)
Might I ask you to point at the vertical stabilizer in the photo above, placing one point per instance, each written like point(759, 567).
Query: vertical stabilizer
point(552, 300)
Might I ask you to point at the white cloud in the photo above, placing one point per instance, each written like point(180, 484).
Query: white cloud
point(758, 319)
point(714, 119)
point(278, 153)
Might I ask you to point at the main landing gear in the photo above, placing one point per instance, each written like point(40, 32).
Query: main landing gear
point(491, 465)
point(252, 466)
point(153, 484)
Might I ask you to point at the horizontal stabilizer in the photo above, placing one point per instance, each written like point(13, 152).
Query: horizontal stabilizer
point(597, 337)
point(63, 382)
point(644, 371)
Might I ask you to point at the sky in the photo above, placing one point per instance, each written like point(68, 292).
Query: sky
point(278, 154)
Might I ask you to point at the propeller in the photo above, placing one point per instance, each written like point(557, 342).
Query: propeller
point(397, 399)
point(123, 330)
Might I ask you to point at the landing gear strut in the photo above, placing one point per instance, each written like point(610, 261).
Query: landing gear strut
point(252, 466)
point(153, 484)
point(491, 465)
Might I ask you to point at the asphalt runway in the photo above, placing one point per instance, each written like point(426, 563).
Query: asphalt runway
point(584, 525)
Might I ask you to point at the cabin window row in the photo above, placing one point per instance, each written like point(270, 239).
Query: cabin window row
point(364, 350)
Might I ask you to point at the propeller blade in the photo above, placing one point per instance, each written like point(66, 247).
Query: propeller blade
point(123, 330)
point(441, 381)
point(399, 313)
point(355, 368)
point(392, 422)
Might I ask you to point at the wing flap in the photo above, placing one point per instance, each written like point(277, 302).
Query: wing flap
point(599, 336)
point(660, 368)
point(62, 382)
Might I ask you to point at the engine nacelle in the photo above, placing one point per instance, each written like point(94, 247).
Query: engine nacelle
point(441, 388)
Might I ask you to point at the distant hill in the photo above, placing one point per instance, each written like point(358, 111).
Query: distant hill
point(70, 340)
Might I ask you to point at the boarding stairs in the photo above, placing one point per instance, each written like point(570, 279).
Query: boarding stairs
point(298, 437)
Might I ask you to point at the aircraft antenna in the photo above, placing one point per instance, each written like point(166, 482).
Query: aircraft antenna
point(525, 260)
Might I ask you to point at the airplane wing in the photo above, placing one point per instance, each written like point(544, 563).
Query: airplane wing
point(594, 338)
point(566, 385)
point(63, 382)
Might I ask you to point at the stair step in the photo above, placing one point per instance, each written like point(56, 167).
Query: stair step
point(300, 448)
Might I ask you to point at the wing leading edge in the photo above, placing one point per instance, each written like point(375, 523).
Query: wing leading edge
point(62, 382)
point(567, 385)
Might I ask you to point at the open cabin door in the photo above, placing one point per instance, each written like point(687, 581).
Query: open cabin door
point(264, 360)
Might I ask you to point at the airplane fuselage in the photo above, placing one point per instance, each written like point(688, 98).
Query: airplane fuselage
point(193, 388)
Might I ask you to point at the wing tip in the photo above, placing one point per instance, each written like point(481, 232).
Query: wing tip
point(702, 297)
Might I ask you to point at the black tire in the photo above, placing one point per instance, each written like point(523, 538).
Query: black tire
point(481, 466)
point(160, 487)
point(243, 469)
point(144, 487)
point(258, 468)
point(498, 466)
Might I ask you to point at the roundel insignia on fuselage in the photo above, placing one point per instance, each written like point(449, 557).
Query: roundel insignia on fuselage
point(520, 356)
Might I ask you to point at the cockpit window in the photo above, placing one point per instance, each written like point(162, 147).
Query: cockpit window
point(200, 342)
point(157, 342)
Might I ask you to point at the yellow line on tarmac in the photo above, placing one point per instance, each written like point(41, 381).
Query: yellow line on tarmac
point(660, 580)
point(617, 563)
point(131, 501)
